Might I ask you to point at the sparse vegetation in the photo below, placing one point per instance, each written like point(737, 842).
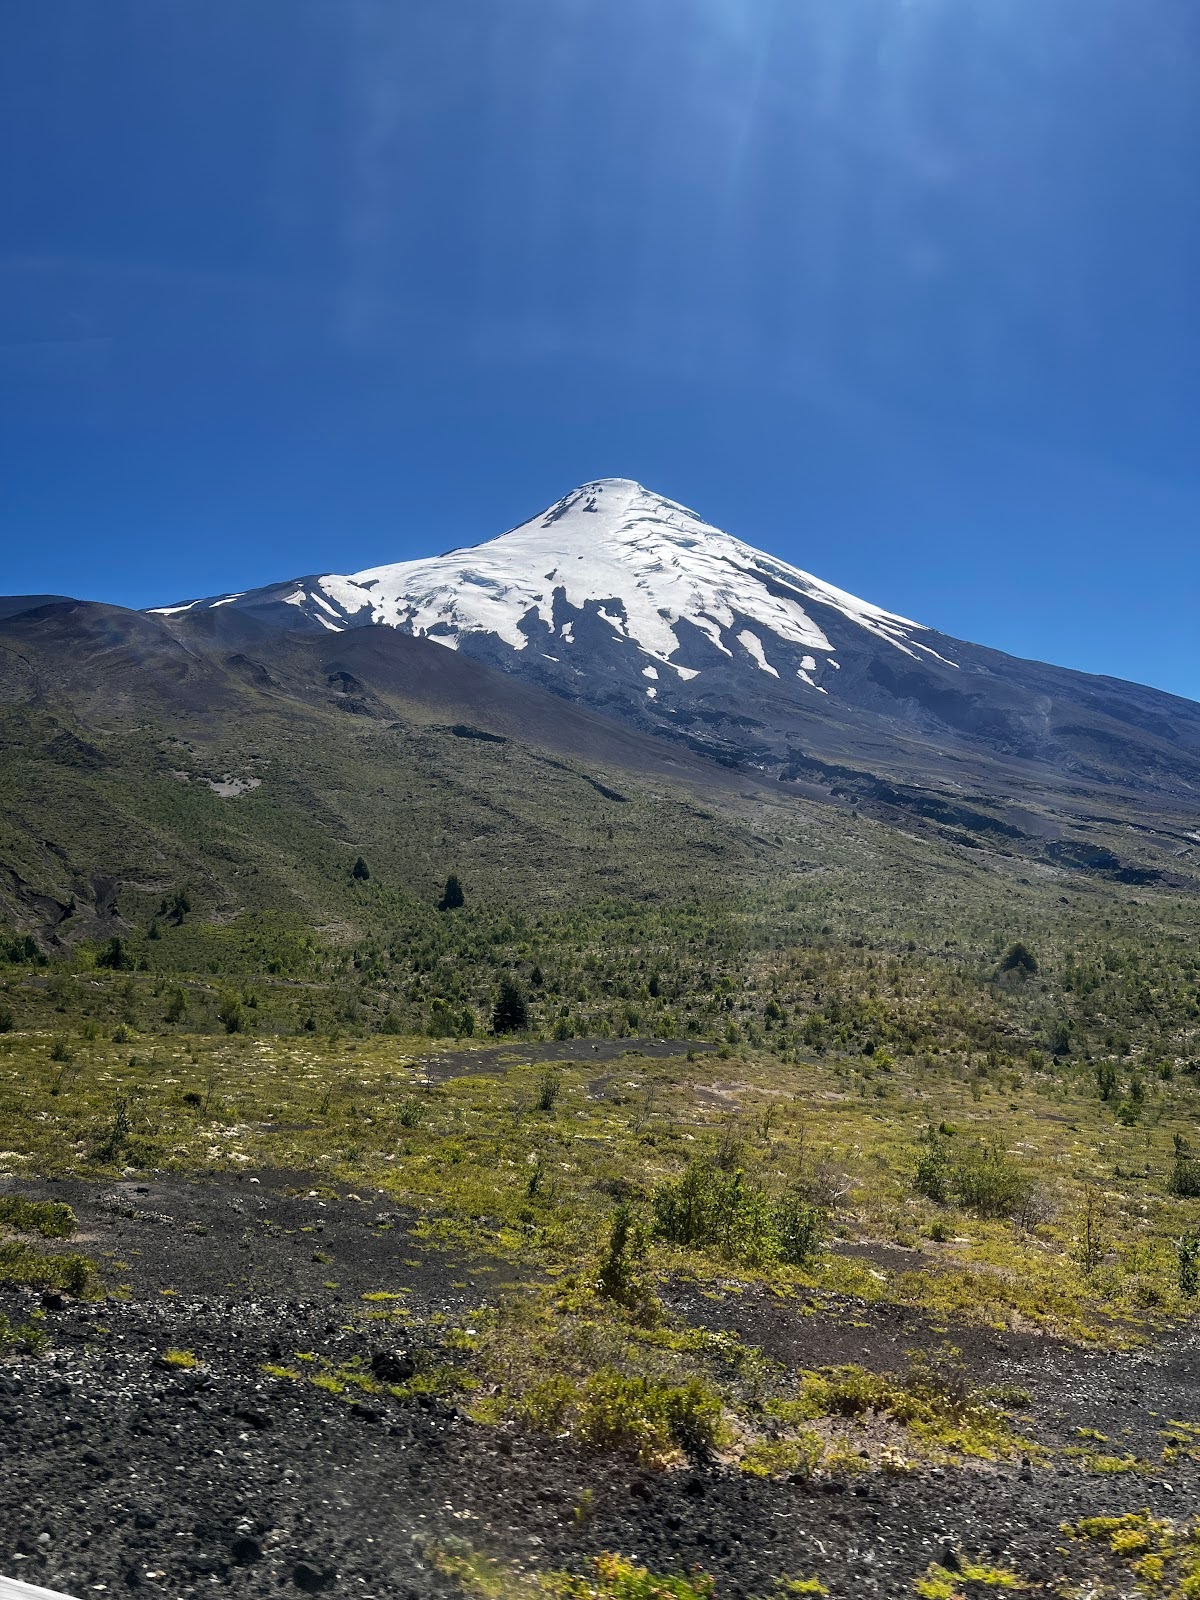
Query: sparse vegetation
point(873, 1097)
point(51, 1219)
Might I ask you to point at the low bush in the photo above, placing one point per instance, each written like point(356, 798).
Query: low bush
point(30, 1336)
point(618, 1279)
point(1184, 1181)
point(620, 1413)
point(990, 1183)
point(612, 1577)
point(932, 1177)
point(20, 1264)
point(934, 1401)
point(614, 1412)
point(617, 1578)
point(982, 1178)
point(51, 1218)
point(711, 1209)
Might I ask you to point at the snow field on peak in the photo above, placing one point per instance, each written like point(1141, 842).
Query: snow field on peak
point(643, 563)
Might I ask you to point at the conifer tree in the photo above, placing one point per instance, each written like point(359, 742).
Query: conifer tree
point(511, 1011)
point(452, 894)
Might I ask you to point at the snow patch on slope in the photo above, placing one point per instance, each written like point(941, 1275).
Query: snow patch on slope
point(615, 555)
point(640, 563)
point(753, 645)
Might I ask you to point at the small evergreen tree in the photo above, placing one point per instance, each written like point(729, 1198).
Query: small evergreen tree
point(452, 894)
point(1060, 1038)
point(511, 1011)
point(618, 1278)
point(22, 949)
point(1019, 958)
point(932, 1177)
point(1184, 1181)
point(231, 1014)
point(360, 870)
point(549, 1089)
point(114, 955)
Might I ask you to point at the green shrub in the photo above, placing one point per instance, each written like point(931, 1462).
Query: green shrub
point(619, 1413)
point(615, 1412)
point(990, 1183)
point(30, 1336)
point(1188, 1249)
point(442, 1020)
point(616, 1277)
point(1185, 1173)
point(231, 1014)
point(709, 1209)
point(932, 1177)
point(412, 1113)
point(618, 1578)
point(547, 1405)
point(19, 1264)
point(51, 1218)
point(549, 1090)
point(183, 1359)
point(800, 1228)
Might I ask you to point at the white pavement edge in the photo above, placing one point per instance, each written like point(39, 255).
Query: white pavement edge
point(10, 1589)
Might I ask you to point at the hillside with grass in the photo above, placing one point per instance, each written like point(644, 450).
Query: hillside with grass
point(451, 1143)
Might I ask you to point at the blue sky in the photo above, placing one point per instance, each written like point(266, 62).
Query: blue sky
point(905, 291)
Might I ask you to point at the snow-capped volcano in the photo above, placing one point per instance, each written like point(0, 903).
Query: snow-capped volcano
point(627, 603)
point(610, 558)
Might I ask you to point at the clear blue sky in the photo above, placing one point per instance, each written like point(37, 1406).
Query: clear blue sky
point(906, 291)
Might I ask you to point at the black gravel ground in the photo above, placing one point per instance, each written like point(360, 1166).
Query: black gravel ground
point(122, 1474)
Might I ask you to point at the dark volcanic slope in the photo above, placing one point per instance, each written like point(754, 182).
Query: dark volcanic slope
point(254, 767)
point(12, 605)
point(1086, 773)
point(143, 752)
point(108, 664)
